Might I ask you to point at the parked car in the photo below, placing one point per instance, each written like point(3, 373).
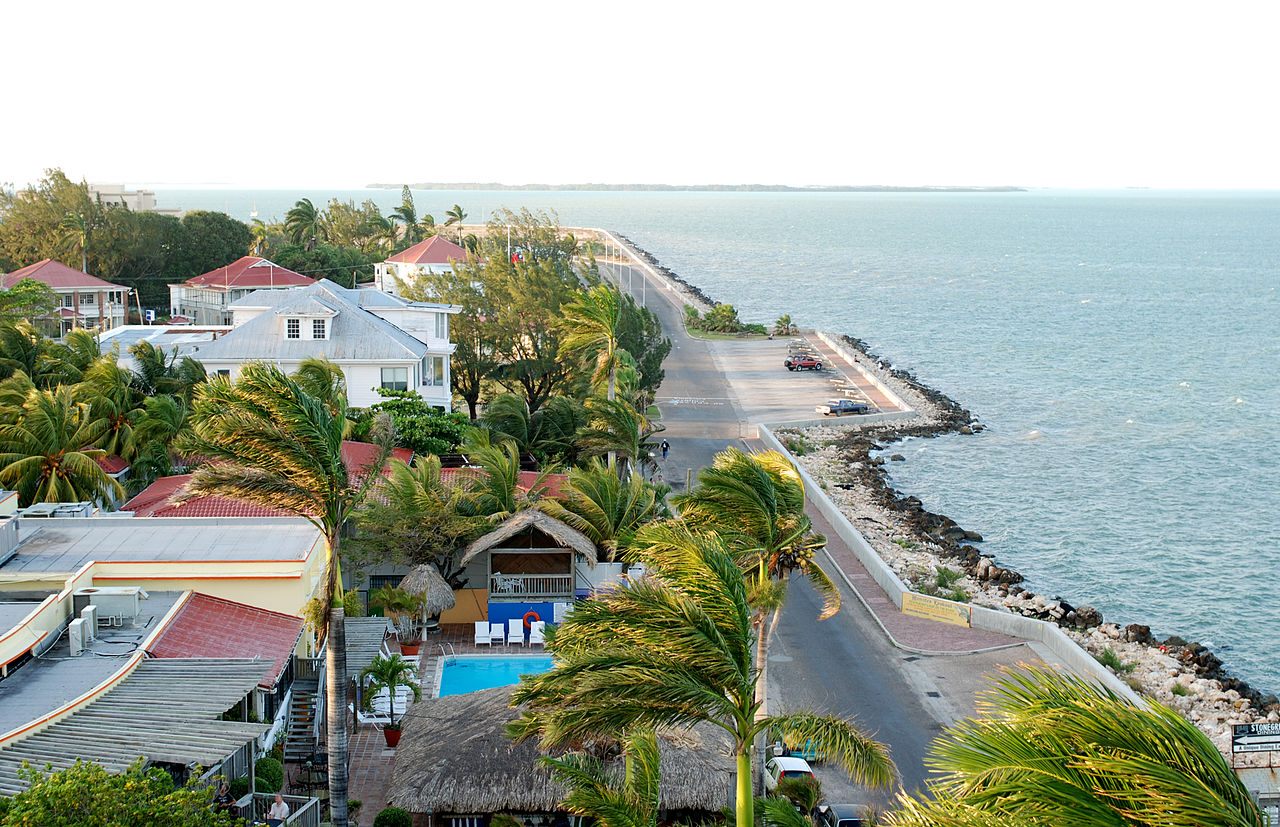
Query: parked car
point(837, 815)
point(783, 766)
point(802, 361)
point(839, 407)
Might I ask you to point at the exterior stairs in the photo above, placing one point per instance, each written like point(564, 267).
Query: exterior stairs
point(300, 741)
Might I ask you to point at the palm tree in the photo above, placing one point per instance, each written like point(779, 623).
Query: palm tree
point(108, 390)
point(304, 224)
point(159, 426)
point(592, 325)
point(676, 650)
point(427, 225)
point(77, 233)
point(783, 326)
point(270, 443)
point(632, 801)
point(66, 361)
point(45, 455)
point(1049, 748)
point(603, 507)
point(390, 673)
point(454, 216)
point(615, 428)
point(259, 232)
point(322, 379)
point(23, 349)
point(495, 492)
point(549, 433)
point(756, 503)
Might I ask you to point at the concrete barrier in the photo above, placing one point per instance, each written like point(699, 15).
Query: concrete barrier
point(848, 355)
point(1069, 653)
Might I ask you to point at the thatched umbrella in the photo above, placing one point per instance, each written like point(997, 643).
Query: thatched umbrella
point(438, 595)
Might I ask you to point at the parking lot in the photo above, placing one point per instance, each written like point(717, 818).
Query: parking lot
point(768, 392)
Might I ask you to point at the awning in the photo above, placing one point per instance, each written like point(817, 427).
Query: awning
point(166, 710)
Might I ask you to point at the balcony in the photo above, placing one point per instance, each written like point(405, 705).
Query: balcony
point(525, 586)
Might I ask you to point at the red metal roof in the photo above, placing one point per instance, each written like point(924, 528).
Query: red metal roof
point(552, 484)
point(435, 250)
point(248, 272)
point(211, 627)
point(58, 276)
point(112, 464)
point(153, 501)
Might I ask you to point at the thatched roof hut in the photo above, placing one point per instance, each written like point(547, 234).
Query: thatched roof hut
point(456, 759)
point(533, 519)
point(426, 580)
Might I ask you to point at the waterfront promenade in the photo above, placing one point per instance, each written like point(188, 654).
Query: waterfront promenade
point(902, 678)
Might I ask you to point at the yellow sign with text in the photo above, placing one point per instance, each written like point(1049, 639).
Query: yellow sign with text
point(935, 608)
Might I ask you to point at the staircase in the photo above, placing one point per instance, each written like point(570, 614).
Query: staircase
point(300, 743)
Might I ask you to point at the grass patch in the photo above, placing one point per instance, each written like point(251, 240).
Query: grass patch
point(1181, 690)
point(715, 337)
point(652, 412)
point(1112, 661)
point(946, 578)
point(901, 543)
point(797, 445)
point(957, 595)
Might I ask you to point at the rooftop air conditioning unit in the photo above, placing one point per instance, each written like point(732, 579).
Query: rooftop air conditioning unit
point(117, 603)
point(76, 636)
point(89, 614)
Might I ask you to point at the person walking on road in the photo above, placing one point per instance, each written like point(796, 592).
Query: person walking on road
point(666, 448)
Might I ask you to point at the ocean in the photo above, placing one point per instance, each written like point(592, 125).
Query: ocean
point(1122, 348)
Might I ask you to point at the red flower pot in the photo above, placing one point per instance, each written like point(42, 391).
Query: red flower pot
point(392, 736)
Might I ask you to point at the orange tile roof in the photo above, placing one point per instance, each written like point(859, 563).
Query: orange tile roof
point(58, 276)
point(435, 250)
point(212, 627)
point(247, 272)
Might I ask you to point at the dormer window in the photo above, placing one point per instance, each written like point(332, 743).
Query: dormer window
point(293, 328)
point(319, 328)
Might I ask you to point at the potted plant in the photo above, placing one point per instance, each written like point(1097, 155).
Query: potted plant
point(390, 673)
point(401, 608)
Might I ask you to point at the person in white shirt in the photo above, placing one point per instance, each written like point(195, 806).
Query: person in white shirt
point(278, 813)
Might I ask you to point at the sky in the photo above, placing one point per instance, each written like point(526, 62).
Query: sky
point(277, 94)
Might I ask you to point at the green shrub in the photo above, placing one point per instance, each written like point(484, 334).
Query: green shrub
point(271, 770)
point(804, 792)
point(266, 785)
point(239, 788)
point(1181, 689)
point(1111, 660)
point(393, 817)
point(946, 578)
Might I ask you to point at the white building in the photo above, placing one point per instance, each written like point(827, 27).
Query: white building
point(435, 255)
point(377, 339)
point(84, 300)
point(134, 200)
point(206, 299)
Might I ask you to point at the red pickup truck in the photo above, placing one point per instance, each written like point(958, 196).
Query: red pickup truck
point(802, 362)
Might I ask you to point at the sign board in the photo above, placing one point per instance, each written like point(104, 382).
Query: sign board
point(149, 315)
point(1261, 737)
point(935, 608)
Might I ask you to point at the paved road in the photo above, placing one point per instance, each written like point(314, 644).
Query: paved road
point(843, 665)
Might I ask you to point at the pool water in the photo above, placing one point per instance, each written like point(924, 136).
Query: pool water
point(460, 675)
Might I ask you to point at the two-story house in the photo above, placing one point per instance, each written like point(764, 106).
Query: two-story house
point(84, 300)
point(207, 298)
point(378, 340)
point(435, 255)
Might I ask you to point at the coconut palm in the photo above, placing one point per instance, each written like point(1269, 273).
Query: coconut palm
point(592, 325)
point(65, 362)
point(549, 433)
point(390, 673)
point(322, 379)
point(24, 349)
point(426, 226)
point(77, 234)
point(454, 216)
point(756, 503)
point(259, 232)
point(160, 425)
point(676, 650)
point(270, 443)
point(603, 507)
point(616, 429)
point(494, 491)
point(1049, 748)
point(783, 326)
point(45, 455)
point(305, 224)
point(630, 801)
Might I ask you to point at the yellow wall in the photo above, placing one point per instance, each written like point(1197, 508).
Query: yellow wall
point(472, 605)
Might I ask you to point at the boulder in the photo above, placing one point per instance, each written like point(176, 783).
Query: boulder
point(1087, 617)
point(897, 458)
point(1137, 633)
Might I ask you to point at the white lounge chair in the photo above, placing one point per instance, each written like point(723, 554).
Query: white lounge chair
point(497, 633)
point(537, 633)
point(515, 632)
point(482, 633)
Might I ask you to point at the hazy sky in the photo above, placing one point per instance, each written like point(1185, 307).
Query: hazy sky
point(282, 94)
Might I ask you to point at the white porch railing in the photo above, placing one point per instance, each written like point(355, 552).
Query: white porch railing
point(530, 585)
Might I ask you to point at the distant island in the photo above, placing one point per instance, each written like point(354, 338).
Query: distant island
point(684, 188)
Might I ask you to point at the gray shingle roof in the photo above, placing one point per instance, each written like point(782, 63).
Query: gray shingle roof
point(355, 333)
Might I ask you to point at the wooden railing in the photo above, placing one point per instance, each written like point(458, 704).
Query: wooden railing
point(531, 585)
point(307, 669)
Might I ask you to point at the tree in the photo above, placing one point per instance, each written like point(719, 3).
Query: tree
point(675, 650)
point(418, 426)
point(345, 266)
point(270, 443)
point(603, 507)
point(390, 673)
point(640, 334)
point(45, 454)
point(407, 215)
point(756, 503)
point(31, 220)
point(526, 299)
point(86, 795)
point(260, 232)
point(77, 233)
point(494, 491)
point(617, 430)
point(549, 433)
point(1049, 748)
point(304, 224)
point(212, 239)
point(473, 331)
point(23, 349)
point(362, 227)
point(108, 390)
point(783, 326)
point(454, 216)
point(592, 323)
point(27, 299)
point(630, 801)
point(160, 426)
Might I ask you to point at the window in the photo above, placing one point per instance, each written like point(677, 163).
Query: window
point(395, 379)
point(293, 329)
point(67, 301)
point(86, 299)
point(318, 329)
point(437, 371)
point(442, 325)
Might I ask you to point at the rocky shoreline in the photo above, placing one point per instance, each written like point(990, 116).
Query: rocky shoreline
point(692, 292)
point(935, 555)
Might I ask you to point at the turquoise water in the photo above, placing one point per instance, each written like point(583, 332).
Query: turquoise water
point(471, 674)
point(1121, 347)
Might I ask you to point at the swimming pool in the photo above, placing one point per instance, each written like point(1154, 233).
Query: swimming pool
point(460, 674)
